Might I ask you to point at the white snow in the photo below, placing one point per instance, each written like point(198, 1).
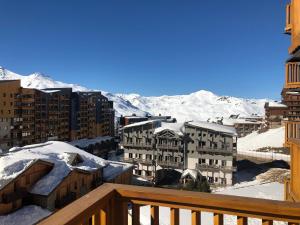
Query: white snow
point(27, 215)
point(15, 162)
point(175, 127)
point(192, 173)
point(82, 143)
point(277, 104)
point(214, 127)
point(200, 105)
point(155, 122)
point(255, 140)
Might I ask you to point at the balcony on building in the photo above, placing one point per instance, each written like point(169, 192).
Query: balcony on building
point(121, 204)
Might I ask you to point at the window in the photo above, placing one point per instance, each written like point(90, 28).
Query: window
point(223, 162)
point(130, 155)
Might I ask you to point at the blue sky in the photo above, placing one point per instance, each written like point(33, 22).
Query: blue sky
point(151, 47)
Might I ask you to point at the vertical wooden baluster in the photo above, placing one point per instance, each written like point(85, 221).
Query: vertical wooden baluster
point(119, 211)
point(196, 218)
point(174, 216)
point(218, 219)
point(135, 214)
point(86, 221)
point(154, 215)
point(267, 222)
point(96, 218)
point(103, 217)
point(242, 220)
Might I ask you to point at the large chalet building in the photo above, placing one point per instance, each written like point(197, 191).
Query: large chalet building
point(53, 174)
point(30, 116)
point(206, 147)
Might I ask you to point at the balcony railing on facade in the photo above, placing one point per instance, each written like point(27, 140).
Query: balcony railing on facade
point(169, 147)
point(216, 150)
point(162, 163)
point(292, 77)
point(215, 167)
point(121, 205)
point(137, 145)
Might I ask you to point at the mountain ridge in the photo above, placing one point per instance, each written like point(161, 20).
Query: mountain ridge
point(199, 105)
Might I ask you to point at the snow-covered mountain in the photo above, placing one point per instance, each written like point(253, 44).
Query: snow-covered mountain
point(200, 105)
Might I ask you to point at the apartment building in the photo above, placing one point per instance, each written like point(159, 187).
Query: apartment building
point(212, 150)
point(205, 147)
point(30, 116)
point(275, 113)
point(243, 125)
point(92, 115)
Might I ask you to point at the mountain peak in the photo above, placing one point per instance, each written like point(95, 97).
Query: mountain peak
point(200, 105)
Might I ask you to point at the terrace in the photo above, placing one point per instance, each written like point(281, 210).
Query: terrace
point(111, 204)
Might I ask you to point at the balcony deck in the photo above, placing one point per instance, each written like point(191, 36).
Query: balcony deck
point(108, 204)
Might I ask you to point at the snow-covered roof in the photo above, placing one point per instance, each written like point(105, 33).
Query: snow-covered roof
point(176, 127)
point(113, 169)
point(214, 127)
point(232, 122)
point(50, 91)
point(277, 104)
point(58, 153)
point(83, 143)
point(189, 172)
point(135, 117)
point(141, 123)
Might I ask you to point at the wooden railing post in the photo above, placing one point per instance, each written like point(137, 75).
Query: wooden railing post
point(96, 219)
point(218, 219)
point(154, 215)
point(242, 220)
point(120, 211)
point(135, 214)
point(196, 218)
point(174, 216)
point(103, 217)
point(267, 222)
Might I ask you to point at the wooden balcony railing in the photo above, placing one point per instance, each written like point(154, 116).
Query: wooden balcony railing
point(292, 77)
point(110, 203)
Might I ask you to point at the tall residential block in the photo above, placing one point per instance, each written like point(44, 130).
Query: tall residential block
point(29, 116)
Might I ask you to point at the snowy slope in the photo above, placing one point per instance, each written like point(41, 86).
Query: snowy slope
point(200, 105)
point(271, 138)
point(197, 106)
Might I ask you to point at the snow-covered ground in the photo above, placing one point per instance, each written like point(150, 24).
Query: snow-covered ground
point(260, 145)
point(197, 106)
point(271, 138)
point(27, 215)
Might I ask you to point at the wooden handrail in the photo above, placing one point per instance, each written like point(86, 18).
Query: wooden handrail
point(113, 199)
